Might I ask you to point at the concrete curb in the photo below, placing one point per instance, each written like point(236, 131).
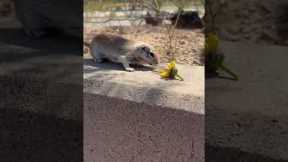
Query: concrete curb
point(147, 87)
point(139, 117)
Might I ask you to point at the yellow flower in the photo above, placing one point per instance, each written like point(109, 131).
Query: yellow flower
point(211, 44)
point(170, 72)
point(172, 64)
point(164, 73)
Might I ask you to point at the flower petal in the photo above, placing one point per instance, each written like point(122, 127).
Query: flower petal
point(172, 64)
point(164, 73)
point(212, 42)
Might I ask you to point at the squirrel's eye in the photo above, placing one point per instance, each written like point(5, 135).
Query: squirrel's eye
point(151, 54)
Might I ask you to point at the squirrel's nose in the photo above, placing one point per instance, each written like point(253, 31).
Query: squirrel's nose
point(157, 58)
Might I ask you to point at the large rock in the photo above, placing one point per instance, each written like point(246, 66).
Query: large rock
point(187, 19)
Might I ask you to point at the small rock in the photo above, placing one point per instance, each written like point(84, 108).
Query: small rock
point(182, 42)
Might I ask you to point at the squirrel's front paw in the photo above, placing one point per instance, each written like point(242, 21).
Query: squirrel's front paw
point(130, 69)
point(98, 60)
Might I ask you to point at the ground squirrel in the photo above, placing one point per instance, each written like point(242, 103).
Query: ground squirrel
point(121, 50)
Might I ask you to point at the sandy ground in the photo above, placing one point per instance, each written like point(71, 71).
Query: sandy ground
point(257, 21)
point(190, 43)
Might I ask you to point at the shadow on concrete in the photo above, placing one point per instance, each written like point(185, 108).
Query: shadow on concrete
point(110, 66)
point(31, 137)
point(215, 154)
point(30, 129)
point(251, 114)
point(217, 76)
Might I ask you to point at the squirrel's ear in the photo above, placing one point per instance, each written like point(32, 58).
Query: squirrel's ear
point(145, 49)
point(142, 48)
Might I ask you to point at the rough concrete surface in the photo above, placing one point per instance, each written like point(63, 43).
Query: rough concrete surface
point(118, 130)
point(41, 68)
point(36, 82)
point(145, 86)
point(40, 97)
point(255, 123)
point(137, 117)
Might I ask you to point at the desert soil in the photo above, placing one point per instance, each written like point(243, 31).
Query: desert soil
point(254, 21)
point(189, 48)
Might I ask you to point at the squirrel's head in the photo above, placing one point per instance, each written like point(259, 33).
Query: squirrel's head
point(144, 52)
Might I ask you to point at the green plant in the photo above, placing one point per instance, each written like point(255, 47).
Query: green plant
point(172, 42)
point(214, 61)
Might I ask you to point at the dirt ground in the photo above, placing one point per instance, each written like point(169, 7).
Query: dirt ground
point(189, 48)
point(254, 21)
